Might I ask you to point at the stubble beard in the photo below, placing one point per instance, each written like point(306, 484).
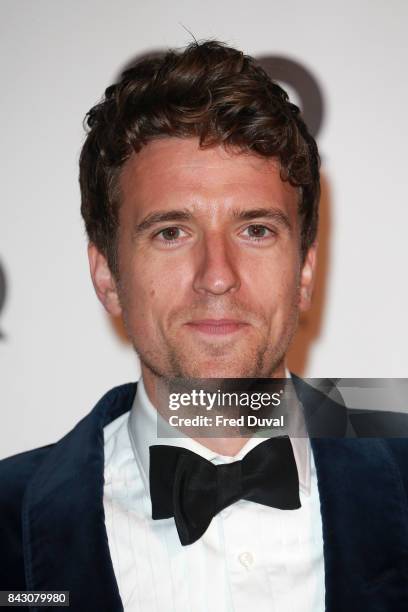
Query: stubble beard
point(262, 362)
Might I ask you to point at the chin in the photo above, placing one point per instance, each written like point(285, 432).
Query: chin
point(219, 369)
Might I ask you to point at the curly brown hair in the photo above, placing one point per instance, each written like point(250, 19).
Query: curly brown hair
point(210, 91)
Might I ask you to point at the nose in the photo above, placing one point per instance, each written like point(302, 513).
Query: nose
point(217, 267)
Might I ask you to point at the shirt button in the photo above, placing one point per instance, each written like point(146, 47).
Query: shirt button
point(246, 559)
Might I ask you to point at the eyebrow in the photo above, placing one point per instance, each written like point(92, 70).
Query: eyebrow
point(278, 216)
point(161, 217)
point(274, 214)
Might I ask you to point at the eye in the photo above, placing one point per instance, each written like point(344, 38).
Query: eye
point(258, 232)
point(169, 234)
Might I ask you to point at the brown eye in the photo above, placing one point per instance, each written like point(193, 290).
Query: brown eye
point(257, 231)
point(170, 233)
point(170, 237)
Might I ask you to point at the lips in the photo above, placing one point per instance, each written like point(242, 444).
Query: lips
point(216, 327)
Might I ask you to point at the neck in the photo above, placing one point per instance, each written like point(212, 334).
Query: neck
point(223, 446)
point(156, 390)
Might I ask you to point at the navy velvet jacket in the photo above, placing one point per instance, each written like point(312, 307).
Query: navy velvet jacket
point(52, 528)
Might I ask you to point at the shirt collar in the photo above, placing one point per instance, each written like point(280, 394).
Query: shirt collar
point(143, 427)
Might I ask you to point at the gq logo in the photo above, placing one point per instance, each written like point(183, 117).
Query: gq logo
point(2, 294)
point(305, 84)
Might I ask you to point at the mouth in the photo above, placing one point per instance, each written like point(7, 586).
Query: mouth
point(217, 327)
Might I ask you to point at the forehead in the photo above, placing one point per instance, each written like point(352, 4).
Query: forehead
point(176, 171)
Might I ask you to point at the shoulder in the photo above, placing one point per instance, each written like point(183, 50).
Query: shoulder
point(15, 473)
point(21, 472)
point(398, 448)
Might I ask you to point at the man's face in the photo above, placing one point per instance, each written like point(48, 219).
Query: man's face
point(210, 274)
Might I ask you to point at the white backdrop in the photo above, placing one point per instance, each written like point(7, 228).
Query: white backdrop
point(59, 352)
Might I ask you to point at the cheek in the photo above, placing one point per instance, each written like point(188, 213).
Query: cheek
point(275, 285)
point(151, 292)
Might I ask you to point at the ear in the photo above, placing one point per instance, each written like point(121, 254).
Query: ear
point(103, 281)
point(307, 278)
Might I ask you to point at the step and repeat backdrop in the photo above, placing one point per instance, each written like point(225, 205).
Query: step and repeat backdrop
point(344, 63)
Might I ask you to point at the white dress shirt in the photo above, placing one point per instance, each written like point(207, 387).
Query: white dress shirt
point(251, 556)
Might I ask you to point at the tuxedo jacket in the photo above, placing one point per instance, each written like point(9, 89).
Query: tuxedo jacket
point(52, 527)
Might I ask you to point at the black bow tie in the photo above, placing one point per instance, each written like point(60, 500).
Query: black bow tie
point(194, 490)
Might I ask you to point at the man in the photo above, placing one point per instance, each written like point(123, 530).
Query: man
point(200, 188)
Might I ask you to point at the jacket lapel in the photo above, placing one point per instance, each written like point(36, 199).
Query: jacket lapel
point(364, 510)
point(65, 540)
point(365, 525)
